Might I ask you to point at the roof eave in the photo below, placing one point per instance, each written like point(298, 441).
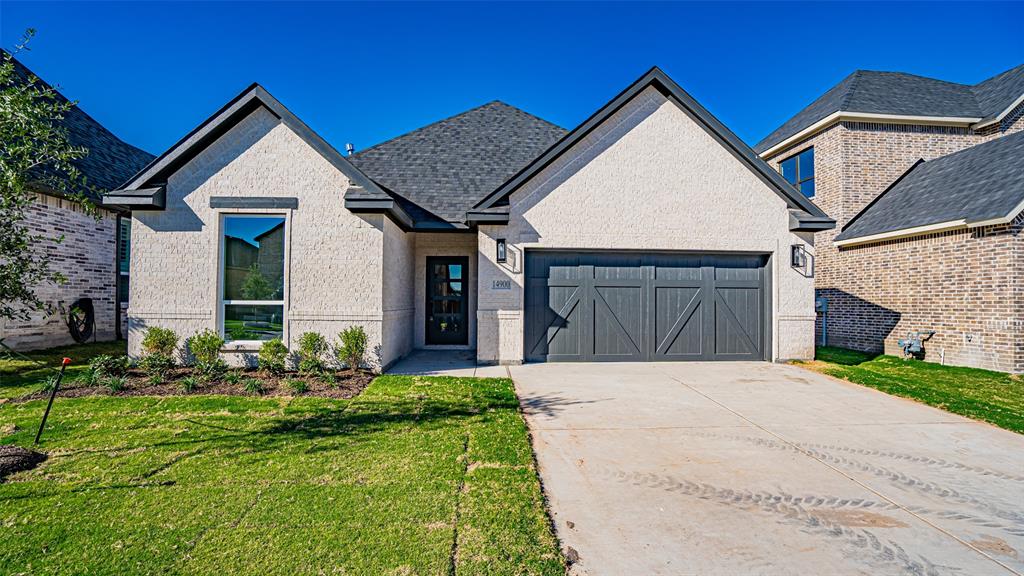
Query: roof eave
point(800, 221)
point(844, 115)
point(999, 117)
point(151, 199)
point(387, 207)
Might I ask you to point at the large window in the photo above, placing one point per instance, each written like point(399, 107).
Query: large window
point(799, 170)
point(252, 265)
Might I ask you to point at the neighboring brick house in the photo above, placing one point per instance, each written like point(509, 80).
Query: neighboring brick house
point(95, 252)
point(931, 246)
point(648, 232)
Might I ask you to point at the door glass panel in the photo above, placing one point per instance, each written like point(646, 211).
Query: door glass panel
point(455, 271)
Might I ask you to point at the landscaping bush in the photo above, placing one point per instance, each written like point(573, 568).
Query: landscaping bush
point(312, 347)
point(116, 383)
point(107, 365)
point(188, 384)
point(205, 347)
point(232, 377)
point(329, 378)
point(158, 340)
point(156, 364)
point(272, 356)
point(296, 386)
point(253, 386)
point(352, 347)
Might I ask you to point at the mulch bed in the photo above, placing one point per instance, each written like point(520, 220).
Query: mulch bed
point(347, 383)
point(15, 459)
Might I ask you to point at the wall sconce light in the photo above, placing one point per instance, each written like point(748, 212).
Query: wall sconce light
point(797, 256)
point(502, 251)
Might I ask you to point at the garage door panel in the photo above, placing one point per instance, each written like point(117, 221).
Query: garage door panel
point(586, 306)
point(737, 326)
point(678, 322)
point(617, 330)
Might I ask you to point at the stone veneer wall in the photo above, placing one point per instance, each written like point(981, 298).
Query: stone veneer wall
point(960, 283)
point(333, 257)
point(87, 257)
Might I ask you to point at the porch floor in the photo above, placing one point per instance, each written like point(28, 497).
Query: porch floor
point(446, 363)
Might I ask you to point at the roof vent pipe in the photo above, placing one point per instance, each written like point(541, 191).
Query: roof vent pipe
point(350, 148)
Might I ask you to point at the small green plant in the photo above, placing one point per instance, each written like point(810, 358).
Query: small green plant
point(272, 356)
point(205, 347)
point(107, 365)
point(253, 386)
point(156, 380)
point(188, 384)
point(329, 378)
point(50, 383)
point(296, 386)
point(90, 377)
point(352, 347)
point(156, 364)
point(232, 377)
point(116, 383)
point(312, 347)
point(158, 340)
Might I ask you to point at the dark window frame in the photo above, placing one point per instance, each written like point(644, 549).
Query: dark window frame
point(798, 181)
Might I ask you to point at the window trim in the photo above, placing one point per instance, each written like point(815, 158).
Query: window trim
point(222, 303)
point(799, 182)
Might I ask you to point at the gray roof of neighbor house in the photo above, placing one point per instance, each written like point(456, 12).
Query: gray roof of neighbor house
point(110, 161)
point(979, 184)
point(440, 171)
point(896, 93)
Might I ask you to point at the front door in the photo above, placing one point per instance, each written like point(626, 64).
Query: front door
point(447, 305)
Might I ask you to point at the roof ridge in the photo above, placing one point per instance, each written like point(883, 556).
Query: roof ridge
point(434, 123)
point(999, 75)
point(854, 78)
point(530, 114)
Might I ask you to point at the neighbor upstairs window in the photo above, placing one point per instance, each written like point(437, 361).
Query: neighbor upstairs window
point(799, 170)
point(252, 268)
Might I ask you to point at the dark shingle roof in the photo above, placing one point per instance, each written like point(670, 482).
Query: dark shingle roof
point(980, 183)
point(110, 161)
point(440, 171)
point(907, 95)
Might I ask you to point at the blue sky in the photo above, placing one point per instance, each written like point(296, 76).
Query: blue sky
point(363, 73)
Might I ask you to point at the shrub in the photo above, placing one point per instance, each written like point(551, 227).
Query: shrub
point(272, 356)
point(352, 347)
point(253, 386)
point(158, 340)
point(107, 365)
point(156, 364)
point(312, 347)
point(329, 378)
point(296, 386)
point(92, 376)
point(205, 347)
point(188, 383)
point(232, 377)
point(156, 380)
point(116, 383)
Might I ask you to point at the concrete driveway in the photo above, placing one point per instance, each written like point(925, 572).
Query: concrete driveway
point(756, 468)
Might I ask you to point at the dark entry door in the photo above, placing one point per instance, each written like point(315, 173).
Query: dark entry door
point(605, 306)
point(447, 306)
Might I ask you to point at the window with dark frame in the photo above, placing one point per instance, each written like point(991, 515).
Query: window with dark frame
point(124, 257)
point(799, 171)
point(253, 277)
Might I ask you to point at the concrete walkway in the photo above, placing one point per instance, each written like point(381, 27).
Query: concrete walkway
point(446, 363)
point(755, 468)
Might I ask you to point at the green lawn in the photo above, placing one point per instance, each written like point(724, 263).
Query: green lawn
point(26, 372)
point(994, 397)
point(413, 476)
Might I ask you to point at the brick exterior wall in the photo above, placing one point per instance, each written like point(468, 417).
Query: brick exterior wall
point(87, 257)
point(964, 284)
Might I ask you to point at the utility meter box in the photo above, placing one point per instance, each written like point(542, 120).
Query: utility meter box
point(821, 305)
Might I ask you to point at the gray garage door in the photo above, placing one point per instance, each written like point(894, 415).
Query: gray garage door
point(621, 306)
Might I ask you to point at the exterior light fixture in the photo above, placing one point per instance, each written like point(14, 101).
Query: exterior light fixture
point(797, 256)
point(502, 251)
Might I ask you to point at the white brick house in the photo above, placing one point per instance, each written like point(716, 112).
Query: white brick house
point(649, 232)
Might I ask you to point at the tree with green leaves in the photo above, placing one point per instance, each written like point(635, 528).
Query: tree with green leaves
point(255, 286)
point(36, 156)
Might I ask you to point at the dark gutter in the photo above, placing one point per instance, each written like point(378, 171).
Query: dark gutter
point(388, 207)
point(800, 221)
